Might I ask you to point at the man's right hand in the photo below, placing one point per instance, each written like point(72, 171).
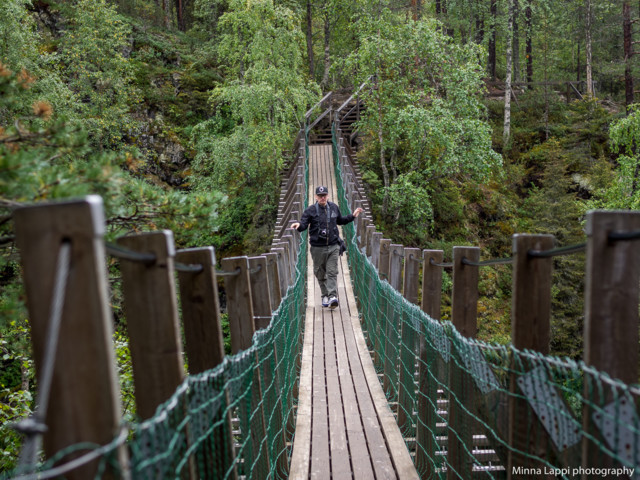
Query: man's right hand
point(295, 225)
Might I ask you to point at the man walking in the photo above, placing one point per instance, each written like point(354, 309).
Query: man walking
point(322, 219)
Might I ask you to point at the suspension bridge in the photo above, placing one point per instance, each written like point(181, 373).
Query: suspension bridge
point(377, 388)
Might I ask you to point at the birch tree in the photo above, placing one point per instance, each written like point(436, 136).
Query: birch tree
point(506, 134)
point(589, 22)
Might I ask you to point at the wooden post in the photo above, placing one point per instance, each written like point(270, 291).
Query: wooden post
point(396, 253)
point(464, 317)
point(383, 263)
point(610, 328)
point(531, 309)
point(84, 401)
point(283, 271)
point(390, 382)
point(376, 237)
point(430, 367)
point(287, 263)
point(293, 249)
point(432, 283)
point(262, 308)
point(205, 350)
point(530, 329)
point(274, 278)
point(239, 302)
point(408, 335)
point(150, 306)
point(201, 310)
point(464, 308)
point(371, 228)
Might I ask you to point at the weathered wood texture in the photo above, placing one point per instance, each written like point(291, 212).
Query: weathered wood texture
point(84, 372)
point(200, 310)
point(150, 305)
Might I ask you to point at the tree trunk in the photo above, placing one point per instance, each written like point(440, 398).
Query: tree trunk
point(312, 67)
point(590, 93)
point(506, 134)
point(327, 42)
point(416, 6)
point(516, 42)
point(491, 63)
point(528, 15)
point(449, 31)
point(383, 163)
point(180, 15)
point(626, 29)
point(166, 10)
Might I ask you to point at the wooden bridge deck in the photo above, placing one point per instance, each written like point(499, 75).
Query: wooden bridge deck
point(344, 427)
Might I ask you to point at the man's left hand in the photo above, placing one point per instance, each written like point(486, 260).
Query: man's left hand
point(357, 212)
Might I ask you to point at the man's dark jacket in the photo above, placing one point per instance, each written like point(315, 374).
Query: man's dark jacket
point(316, 219)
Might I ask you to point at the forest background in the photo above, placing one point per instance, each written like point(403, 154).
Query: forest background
point(181, 114)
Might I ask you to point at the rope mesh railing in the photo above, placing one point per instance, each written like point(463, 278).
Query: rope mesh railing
point(452, 394)
point(236, 420)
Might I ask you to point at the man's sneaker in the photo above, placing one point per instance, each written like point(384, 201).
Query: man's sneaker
point(325, 301)
point(333, 301)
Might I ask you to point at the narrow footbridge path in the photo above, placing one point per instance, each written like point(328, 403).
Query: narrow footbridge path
point(344, 428)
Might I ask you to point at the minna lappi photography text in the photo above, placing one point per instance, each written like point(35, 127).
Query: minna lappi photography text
point(575, 471)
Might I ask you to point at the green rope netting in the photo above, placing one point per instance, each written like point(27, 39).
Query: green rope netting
point(452, 394)
point(237, 420)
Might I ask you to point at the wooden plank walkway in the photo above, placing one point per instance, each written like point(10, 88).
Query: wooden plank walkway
point(344, 426)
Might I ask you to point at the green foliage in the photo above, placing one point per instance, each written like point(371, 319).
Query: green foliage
point(125, 376)
point(16, 372)
point(240, 151)
point(97, 72)
point(47, 154)
point(424, 118)
point(622, 191)
point(552, 208)
point(17, 35)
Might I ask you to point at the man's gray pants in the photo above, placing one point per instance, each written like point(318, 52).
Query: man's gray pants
point(325, 268)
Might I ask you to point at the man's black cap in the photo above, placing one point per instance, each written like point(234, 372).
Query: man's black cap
point(322, 190)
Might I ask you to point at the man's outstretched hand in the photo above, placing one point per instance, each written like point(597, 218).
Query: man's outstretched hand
point(357, 212)
point(295, 225)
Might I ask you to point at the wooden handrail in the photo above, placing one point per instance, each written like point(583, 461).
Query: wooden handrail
point(351, 97)
point(310, 111)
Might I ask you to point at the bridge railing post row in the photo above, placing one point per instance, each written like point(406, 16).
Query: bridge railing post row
point(390, 382)
point(375, 306)
point(153, 325)
point(242, 327)
point(383, 301)
point(610, 337)
point(204, 347)
point(530, 330)
point(269, 378)
point(83, 368)
point(409, 331)
point(464, 316)
point(431, 368)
